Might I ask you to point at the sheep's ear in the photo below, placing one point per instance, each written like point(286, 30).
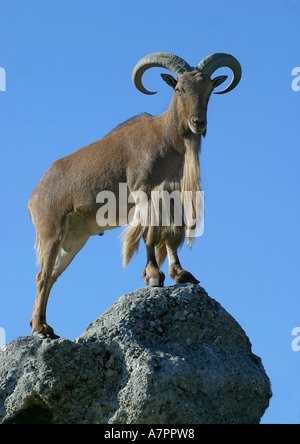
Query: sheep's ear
point(169, 80)
point(217, 81)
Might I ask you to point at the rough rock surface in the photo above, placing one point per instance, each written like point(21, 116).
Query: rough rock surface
point(158, 355)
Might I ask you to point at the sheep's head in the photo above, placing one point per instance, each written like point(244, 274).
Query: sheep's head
point(193, 86)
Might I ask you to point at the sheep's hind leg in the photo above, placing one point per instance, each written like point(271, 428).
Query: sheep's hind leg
point(44, 281)
point(61, 255)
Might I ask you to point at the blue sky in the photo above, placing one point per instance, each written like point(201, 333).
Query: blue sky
point(68, 82)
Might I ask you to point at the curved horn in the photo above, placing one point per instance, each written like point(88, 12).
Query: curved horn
point(217, 60)
point(158, 59)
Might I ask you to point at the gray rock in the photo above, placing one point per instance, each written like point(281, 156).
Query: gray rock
point(165, 355)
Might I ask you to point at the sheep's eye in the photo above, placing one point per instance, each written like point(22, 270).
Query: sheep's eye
point(177, 90)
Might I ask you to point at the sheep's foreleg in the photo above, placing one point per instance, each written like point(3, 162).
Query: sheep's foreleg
point(154, 277)
point(177, 273)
